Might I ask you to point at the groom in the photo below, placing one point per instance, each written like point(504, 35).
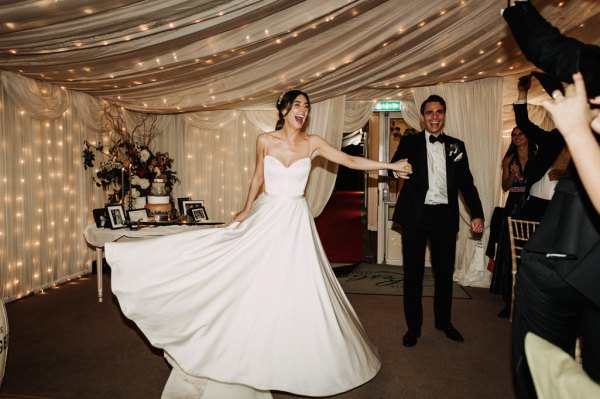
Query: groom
point(427, 209)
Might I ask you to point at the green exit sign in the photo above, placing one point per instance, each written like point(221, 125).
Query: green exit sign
point(388, 106)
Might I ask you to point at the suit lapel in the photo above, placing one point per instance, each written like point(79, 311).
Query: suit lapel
point(449, 163)
point(421, 157)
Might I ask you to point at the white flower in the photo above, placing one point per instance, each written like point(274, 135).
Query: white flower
point(157, 171)
point(144, 155)
point(135, 180)
point(454, 152)
point(144, 183)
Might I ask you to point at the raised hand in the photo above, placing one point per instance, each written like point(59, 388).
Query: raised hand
point(571, 113)
point(524, 83)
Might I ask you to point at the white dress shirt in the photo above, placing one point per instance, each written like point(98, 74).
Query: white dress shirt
point(437, 193)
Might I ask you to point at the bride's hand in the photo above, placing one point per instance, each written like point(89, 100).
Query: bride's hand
point(239, 217)
point(402, 169)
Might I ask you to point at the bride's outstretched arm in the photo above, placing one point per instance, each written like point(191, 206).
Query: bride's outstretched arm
point(257, 180)
point(322, 148)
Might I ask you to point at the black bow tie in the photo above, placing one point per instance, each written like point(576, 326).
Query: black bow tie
point(441, 138)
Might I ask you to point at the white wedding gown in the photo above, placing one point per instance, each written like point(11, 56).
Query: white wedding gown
point(255, 303)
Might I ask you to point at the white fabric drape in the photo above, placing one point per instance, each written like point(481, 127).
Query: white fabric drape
point(357, 115)
point(326, 120)
point(179, 56)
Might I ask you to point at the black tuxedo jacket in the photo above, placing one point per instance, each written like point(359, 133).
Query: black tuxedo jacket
point(458, 176)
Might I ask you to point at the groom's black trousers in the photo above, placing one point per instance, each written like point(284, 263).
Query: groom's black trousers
point(434, 225)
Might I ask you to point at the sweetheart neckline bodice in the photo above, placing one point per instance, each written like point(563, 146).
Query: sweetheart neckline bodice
point(290, 165)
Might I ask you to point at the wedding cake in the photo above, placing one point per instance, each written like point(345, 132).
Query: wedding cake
point(158, 202)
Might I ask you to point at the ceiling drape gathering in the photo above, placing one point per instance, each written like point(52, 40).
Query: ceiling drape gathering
point(184, 56)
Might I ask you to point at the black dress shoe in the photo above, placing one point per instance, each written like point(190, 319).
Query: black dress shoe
point(410, 338)
point(452, 333)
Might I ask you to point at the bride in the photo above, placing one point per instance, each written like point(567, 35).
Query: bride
point(255, 306)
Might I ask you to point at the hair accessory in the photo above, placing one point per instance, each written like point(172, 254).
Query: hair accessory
point(283, 93)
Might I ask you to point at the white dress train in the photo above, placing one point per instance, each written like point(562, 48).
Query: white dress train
point(255, 304)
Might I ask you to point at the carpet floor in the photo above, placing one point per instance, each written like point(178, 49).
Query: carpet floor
point(64, 344)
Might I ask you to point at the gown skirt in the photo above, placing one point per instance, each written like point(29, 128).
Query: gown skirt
point(255, 303)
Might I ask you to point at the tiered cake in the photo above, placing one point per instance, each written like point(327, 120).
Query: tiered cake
point(159, 203)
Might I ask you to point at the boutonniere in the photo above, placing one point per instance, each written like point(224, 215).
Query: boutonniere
point(455, 152)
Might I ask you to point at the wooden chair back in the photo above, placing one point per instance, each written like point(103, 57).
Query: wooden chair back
point(519, 232)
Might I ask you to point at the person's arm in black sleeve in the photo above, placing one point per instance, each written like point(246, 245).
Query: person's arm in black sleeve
point(400, 153)
point(548, 49)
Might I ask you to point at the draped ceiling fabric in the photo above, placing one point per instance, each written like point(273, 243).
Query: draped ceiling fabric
point(182, 55)
point(212, 71)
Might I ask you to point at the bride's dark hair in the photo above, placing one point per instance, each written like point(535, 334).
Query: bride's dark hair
point(284, 104)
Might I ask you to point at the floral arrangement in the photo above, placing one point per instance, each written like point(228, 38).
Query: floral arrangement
point(130, 167)
point(455, 152)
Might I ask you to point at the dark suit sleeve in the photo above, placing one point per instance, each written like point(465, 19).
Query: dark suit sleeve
point(401, 153)
point(548, 49)
point(531, 130)
point(549, 144)
point(468, 189)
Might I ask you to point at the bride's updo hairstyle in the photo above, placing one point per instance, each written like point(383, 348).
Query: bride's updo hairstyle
point(284, 105)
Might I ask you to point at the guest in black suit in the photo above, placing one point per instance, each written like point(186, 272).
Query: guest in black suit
point(427, 209)
point(557, 288)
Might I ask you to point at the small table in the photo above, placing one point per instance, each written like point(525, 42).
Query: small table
point(97, 237)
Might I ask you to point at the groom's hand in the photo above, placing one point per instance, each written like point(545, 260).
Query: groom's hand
point(477, 225)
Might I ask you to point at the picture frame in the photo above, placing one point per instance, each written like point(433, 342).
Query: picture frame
point(199, 214)
point(116, 216)
point(100, 217)
point(180, 204)
point(188, 205)
point(138, 215)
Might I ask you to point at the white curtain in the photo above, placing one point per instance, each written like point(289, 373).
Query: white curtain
point(47, 195)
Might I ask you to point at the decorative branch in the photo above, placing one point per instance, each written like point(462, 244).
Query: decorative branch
point(143, 132)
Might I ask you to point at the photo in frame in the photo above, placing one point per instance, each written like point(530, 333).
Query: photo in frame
point(188, 205)
point(180, 204)
point(100, 217)
point(116, 216)
point(138, 215)
point(199, 214)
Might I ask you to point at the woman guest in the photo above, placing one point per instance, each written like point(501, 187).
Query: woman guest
point(520, 151)
point(255, 306)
